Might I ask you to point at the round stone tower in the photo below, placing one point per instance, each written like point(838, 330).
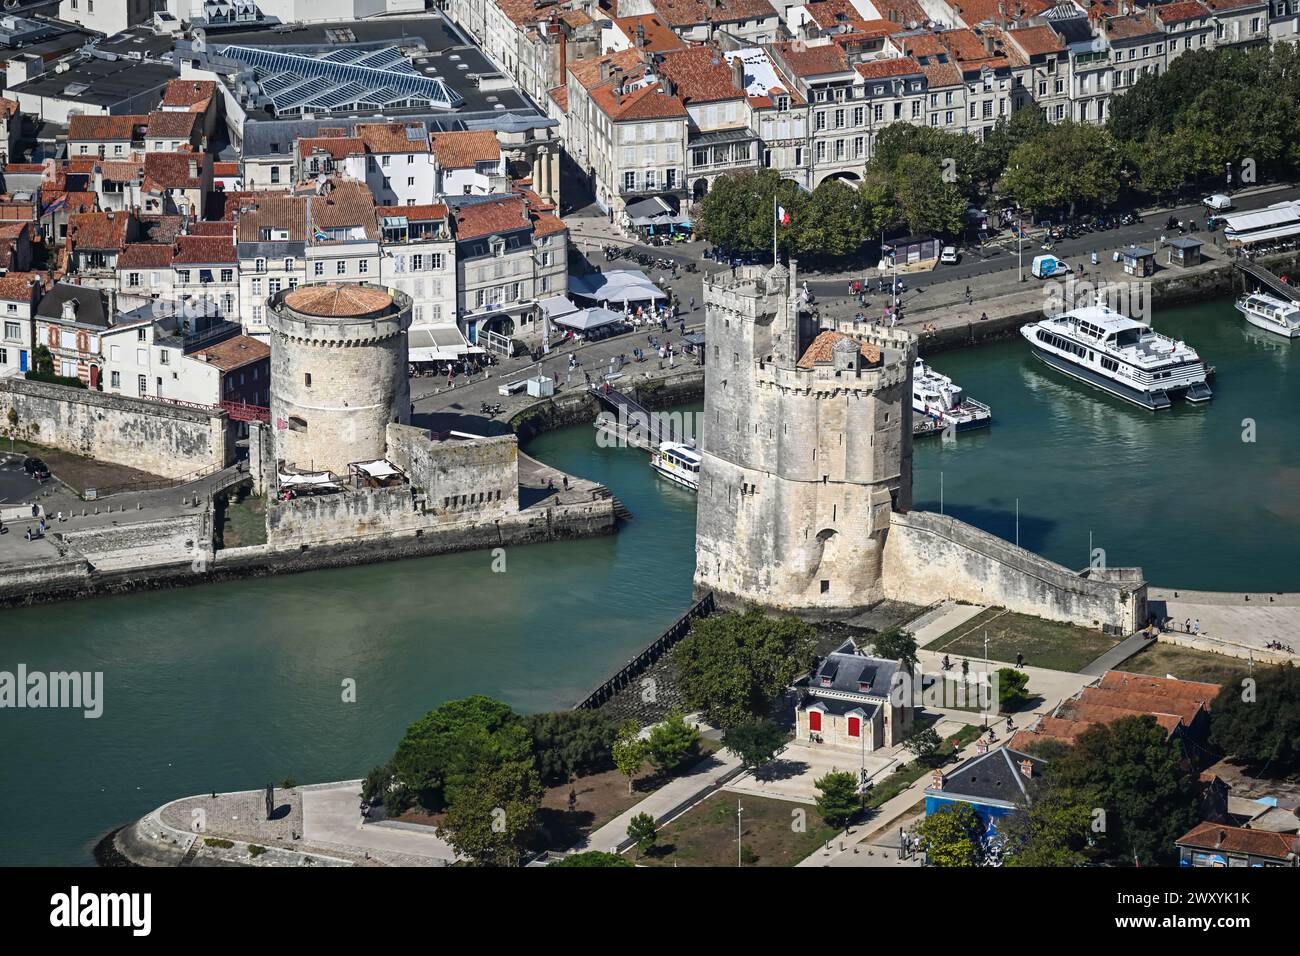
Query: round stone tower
point(338, 373)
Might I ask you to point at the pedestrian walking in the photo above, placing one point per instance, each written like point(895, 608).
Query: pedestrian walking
point(1196, 626)
point(965, 667)
point(1020, 659)
point(1187, 626)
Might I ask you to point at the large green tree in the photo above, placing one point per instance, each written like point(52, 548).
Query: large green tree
point(446, 747)
point(1052, 831)
point(838, 801)
point(754, 741)
point(927, 202)
point(629, 751)
point(733, 666)
point(952, 836)
point(672, 742)
point(571, 742)
point(1258, 720)
point(491, 819)
point(592, 858)
point(1070, 165)
point(1132, 773)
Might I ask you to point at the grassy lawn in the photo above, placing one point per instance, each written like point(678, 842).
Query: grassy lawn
point(907, 774)
point(1049, 644)
point(706, 834)
point(1185, 663)
point(245, 523)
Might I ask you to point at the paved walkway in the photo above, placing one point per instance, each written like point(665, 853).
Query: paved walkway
point(666, 802)
point(1247, 622)
point(330, 818)
point(1116, 655)
point(937, 622)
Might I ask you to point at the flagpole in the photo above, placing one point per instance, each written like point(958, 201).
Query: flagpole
point(774, 259)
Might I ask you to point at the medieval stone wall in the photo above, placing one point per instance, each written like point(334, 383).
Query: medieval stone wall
point(157, 437)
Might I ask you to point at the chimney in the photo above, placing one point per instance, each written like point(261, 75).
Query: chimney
point(738, 73)
point(936, 780)
point(1223, 837)
point(1027, 768)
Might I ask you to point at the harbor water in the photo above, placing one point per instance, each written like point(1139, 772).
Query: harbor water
point(236, 685)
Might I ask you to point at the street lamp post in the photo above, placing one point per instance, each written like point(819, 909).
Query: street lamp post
point(1020, 243)
point(739, 811)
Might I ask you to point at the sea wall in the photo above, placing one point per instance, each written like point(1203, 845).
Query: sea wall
point(162, 439)
point(930, 557)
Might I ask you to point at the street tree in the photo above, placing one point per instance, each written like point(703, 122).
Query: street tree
point(1259, 723)
point(895, 644)
point(925, 744)
point(629, 751)
point(450, 744)
point(755, 741)
point(641, 830)
point(733, 666)
point(1069, 165)
point(1051, 831)
point(838, 801)
point(952, 836)
point(672, 742)
point(491, 819)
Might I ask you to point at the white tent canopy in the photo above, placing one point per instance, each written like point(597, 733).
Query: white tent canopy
point(620, 285)
point(317, 479)
point(584, 320)
point(378, 469)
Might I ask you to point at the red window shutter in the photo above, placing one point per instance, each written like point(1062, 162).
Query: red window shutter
point(814, 720)
point(855, 727)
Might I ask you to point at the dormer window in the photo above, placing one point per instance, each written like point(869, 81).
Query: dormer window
point(826, 681)
point(864, 687)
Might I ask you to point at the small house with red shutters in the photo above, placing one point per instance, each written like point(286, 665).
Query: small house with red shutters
point(854, 702)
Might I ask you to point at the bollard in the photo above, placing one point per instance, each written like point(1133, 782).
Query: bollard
point(139, 506)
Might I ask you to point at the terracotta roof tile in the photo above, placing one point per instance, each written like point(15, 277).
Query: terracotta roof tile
point(1162, 686)
point(587, 72)
point(804, 60)
point(393, 138)
point(172, 170)
point(102, 128)
point(1124, 28)
point(461, 150)
point(822, 349)
point(199, 250)
point(1220, 836)
point(8, 107)
point(642, 103)
point(98, 230)
point(1181, 10)
point(145, 255)
point(258, 211)
point(680, 13)
point(191, 94)
point(474, 220)
point(881, 69)
point(331, 300)
point(649, 32)
point(336, 147)
point(233, 353)
point(347, 205)
point(545, 224)
point(172, 124)
point(701, 75)
point(17, 286)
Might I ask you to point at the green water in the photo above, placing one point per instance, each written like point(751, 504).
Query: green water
point(1177, 492)
point(233, 686)
point(236, 685)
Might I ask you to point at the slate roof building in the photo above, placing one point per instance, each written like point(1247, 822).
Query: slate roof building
point(850, 702)
point(993, 784)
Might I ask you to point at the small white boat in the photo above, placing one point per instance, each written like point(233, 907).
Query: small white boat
point(678, 463)
point(1271, 314)
point(941, 403)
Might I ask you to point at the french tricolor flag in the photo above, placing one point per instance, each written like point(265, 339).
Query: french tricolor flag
point(782, 216)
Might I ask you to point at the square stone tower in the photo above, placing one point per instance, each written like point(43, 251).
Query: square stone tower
point(807, 448)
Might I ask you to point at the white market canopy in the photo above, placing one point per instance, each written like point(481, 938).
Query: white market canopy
point(437, 343)
point(584, 320)
point(378, 469)
point(556, 306)
point(620, 285)
point(1275, 222)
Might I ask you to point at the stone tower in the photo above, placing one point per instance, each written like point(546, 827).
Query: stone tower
point(338, 373)
point(807, 447)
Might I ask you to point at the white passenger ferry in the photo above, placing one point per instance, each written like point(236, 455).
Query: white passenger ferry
point(1119, 355)
point(935, 397)
point(1271, 313)
point(678, 463)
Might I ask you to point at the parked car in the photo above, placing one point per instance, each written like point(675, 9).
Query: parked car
point(1218, 202)
point(36, 468)
point(949, 256)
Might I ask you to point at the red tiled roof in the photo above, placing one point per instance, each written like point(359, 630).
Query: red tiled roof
point(346, 205)
point(336, 147)
point(221, 227)
point(172, 170)
point(1035, 41)
point(392, 137)
point(880, 69)
point(331, 300)
point(821, 350)
point(489, 218)
point(199, 250)
point(587, 72)
point(461, 150)
point(679, 13)
point(974, 12)
point(645, 102)
point(701, 75)
point(425, 213)
point(119, 171)
point(268, 211)
point(545, 224)
point(233, 353)
point(1220, 836)
point(805, 60)
point(561, 97)
point(658, 36)
point(172, 124)
point(225, 169)
point(1181, 10)
point(1126, 28)
point(17, 286)
point(192, 94)
point(1169, 687)
point(98, 230)
point(100, 128)
point(8, 107)
point(145, 255)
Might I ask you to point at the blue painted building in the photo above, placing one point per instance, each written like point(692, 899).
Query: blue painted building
point(994, 784)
